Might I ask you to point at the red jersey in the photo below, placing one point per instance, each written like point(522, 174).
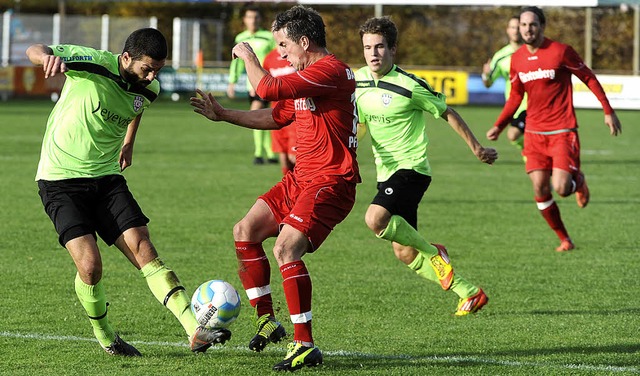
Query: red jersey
point(321, 100)
point(545, 76)
point(276, 65)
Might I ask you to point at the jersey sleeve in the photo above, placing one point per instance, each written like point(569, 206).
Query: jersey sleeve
point(514, 101)
point(574, 63)
point(429, 100)
point(284, 112)
point(312, 81)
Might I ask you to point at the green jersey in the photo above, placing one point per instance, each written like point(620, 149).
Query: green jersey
point(500, 67)
point(392, 108)
point(261, 43)
point(87, 126)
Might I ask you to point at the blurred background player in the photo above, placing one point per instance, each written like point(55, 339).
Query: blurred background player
point(390, 104)
point(304, 207)
point(283, 141)
point(542, 69)
point(498, 66)
point(87, 144)
point(261, 41)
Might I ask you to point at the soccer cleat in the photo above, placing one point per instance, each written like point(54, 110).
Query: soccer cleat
point(442, 266)
point(565, 245)
point(120, 347)
point(472, 304)
point(204, 338)
point(299, 356)
point(582, 191)
point(268, 330)
point(258, 161)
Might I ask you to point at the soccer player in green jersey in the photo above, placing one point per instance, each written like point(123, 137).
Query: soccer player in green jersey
point(88, 142)
point(390, 106)
point(498, 66)
point(261, 42)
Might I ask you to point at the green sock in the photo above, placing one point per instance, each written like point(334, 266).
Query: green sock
point(257, 143)
point(519, 143)
point(460, 286)
point(267, 145)
point(165, 286)
point(400, 231)
point(94, 301)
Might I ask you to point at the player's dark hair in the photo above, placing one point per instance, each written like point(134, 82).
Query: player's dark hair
point(146, 42)
point(299, 22)
point(250, 8)
point(381, 26)
point(538, 12)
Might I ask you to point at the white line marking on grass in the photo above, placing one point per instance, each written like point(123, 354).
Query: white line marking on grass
point(453, 359)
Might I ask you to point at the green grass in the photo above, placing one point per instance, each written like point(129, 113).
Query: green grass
point(549, 313)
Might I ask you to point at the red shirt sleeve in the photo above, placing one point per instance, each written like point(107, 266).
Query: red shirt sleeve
point(515, 98)
point(573, 62)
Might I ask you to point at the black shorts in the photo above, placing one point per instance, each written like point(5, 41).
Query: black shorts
point(520, 121)
point(252, 98)
point(402, 193)
point(83, 206)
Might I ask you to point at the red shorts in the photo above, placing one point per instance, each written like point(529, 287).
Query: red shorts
point(284, 140)
point(312, 207)
point(546, 152)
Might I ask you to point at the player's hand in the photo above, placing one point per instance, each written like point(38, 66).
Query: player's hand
point(486, 68)
point(242, 50)
point(493, 133)
point(52, 64)
point(231, 91)
point(206, 105)
point(613, 123)
point(487, 155)
point(126, 156)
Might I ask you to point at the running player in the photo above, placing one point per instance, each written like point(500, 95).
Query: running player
point(498, 66)
point(390, 104)
point(542, 69)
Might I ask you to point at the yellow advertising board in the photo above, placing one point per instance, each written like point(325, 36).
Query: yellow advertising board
point(453, 84)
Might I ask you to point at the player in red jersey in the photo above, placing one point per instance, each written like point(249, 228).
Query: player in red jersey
point(283, 141)
point(542, 68)
point(303, 208)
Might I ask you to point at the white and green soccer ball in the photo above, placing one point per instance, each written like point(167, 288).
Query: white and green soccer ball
point(216, 304)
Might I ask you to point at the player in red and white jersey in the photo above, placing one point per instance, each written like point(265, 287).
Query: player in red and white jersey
point(303, 208)
point(542, 68)
point(283, 141)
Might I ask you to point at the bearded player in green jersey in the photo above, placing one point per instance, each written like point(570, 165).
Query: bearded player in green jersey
point(390, 105)
point(261, 42)
point(498, 66)
point(88, 142)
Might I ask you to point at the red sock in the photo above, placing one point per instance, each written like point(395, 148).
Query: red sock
point(551, 213)
point(255, 274)
point(297, 290)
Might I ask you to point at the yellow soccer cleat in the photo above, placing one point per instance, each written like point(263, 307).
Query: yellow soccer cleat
point(472, 304)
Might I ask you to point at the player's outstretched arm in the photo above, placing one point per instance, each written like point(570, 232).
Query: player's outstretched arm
point(485, 155)
point(613, 123)
point(39, 54)
point(206, 105)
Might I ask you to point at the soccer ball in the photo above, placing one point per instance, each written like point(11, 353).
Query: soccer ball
point(216, 304)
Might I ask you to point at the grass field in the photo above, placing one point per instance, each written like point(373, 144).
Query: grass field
point(549, 313)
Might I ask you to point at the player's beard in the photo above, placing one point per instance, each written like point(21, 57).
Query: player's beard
point(131, 77)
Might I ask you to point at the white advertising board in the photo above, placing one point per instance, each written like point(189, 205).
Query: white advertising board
point(623, 92)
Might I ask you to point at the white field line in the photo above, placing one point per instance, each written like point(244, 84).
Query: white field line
point(452, 360)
